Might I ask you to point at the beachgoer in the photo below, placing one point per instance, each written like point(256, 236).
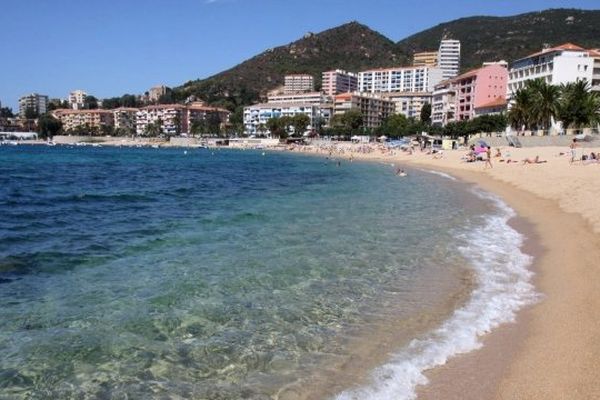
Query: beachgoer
point(573, 148)
point(535, 160)
point(488, 158)
point(498, 153)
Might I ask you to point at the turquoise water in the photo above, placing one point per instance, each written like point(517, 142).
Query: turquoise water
point(146, 273)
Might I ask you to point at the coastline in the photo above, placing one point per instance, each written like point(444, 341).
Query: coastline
point(551, 352)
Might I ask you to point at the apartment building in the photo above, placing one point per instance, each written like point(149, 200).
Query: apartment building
point(401, 79)
point(409, 104)
point(307, 98)
point(77, 99)
point(298, 83)
point(257, 115)
point(125, 119)
point(171, 119)
point(449, 58)
point(373, 108)
point(199, 111)
point(443, 103)
point(494, 107)
point(38, 103)
point(338, 81)
point(84, 119)
point(595, 54)
point(425, 59)
point(561, 64)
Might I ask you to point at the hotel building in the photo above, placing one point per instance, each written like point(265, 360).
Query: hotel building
point(171, 118)
point(257, 115)
point(36, 102)
point(562, 64)
point(373, 108)
point(449, 58)
point(401, 79)
point(87, 119)
point(408, 103)
point(338, 81)
point(298, 83)
point(425, 59)
point(458, 98)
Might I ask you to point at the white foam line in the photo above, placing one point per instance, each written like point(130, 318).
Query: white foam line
point(503, 288)
point(440, 174)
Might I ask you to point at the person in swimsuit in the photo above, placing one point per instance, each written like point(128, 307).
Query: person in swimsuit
point(573, 146)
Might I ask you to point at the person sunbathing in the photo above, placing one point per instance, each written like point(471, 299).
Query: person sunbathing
point(535, 160)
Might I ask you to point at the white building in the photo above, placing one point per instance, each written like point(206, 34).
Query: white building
point(373, 107)
point(306, 98)
point(449, 58)
point(298, 83)
point(443, 103)
point(409, 104)
point(38, 103)
point(556, 65)
point(595, 54)
point(170, 118)
point(401, 79)
point(338, 81)
point(257, 115)
point(77, 99)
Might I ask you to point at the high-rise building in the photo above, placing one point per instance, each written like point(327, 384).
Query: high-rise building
point(449, 58)
point(425, 59)
point(400, 79)
point(561, 64)
point(38, 103)
point(338, 81)
point(298, 83)
point(77, 99)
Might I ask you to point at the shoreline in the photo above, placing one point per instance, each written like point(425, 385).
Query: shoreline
point(551, 351)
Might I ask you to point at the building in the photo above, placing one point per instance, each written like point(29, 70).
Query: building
point(449, 58)
point(257, 115)
point(338, 81)
point(477, 87)
point(425, 59)
point(199, 111)
point(86, 120)
point(400, 79)
point(156, 92)
point(38, 103)
point(77, 99)
point(373, 108)
point(443, 103)
point(306, 97)
point(595, 54)
point(298, 83)
point(125, 119)
point(170, 119)
point(409, 104)
point(494, 107)
point(557, 65)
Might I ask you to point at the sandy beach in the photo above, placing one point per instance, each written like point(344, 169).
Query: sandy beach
point(552, 352)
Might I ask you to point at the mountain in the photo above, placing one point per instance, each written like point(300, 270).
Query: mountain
point(356, 47)
point(351, 46)
point(509, 38)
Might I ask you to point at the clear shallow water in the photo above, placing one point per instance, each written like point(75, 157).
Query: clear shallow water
point(143, 273)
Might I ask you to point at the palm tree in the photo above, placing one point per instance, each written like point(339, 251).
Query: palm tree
point(521, 112)
point(545, 104)
point(579, 106)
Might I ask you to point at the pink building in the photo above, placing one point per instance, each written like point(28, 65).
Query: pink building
point(477, 88)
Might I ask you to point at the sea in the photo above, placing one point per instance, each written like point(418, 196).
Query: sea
point(141, 273)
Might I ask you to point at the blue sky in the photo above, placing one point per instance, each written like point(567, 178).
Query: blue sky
point(113, 47)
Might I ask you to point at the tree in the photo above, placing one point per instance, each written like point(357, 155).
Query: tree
point(48, 126)
point(521, 113)
point(278, 127)
point(111, 103)
point(426, 113)
point(6, 112)
point(393, 126)
point(353, 120)
point(176, 121)
point(545, 102)
point(198, 127)
point(213, 122)
point(30, 113)
point(578, 106)
point(299, 122)
point(90, 102)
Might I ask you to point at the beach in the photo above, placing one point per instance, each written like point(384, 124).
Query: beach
point(552, 352)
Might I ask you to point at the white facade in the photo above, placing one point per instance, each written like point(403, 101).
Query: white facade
point(558, 65)
point(449, 58)
point(170, 117)
point(297, 83)
point(306, 98)
point(443, 104)
point(257, 115)
point(402, 79)
point(409, 104)
point(77, 99)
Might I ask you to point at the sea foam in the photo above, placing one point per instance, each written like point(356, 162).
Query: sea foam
point(503, 288)
point(442, 174)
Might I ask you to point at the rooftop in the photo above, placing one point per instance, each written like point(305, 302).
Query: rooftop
point(497, 102)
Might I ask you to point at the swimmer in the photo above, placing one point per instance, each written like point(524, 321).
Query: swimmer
point(400, 172)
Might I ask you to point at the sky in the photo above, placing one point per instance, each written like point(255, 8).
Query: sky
point(112, 47)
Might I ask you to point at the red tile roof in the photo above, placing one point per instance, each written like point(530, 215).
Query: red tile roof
point(497, 102)
point(564, 46)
